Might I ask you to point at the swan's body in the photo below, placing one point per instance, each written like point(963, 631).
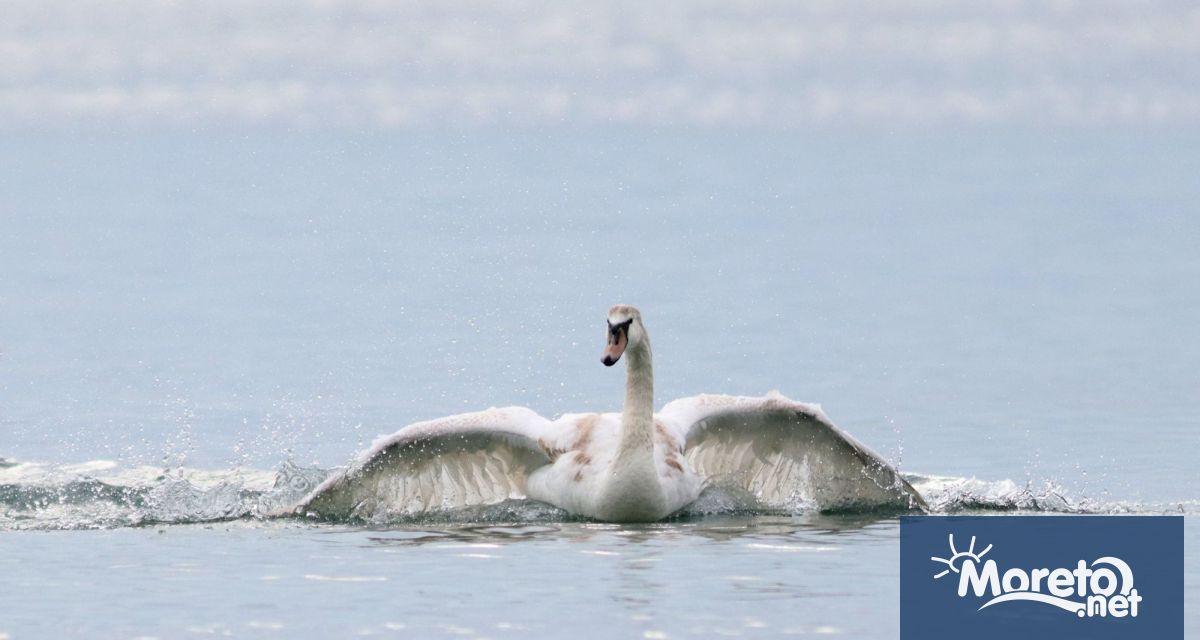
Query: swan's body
point(632, 466)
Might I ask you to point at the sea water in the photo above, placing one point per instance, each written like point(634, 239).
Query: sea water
point(195, 328)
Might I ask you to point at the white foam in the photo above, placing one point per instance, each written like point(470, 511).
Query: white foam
point(103, 494)
point(112, 473)
point(321, 578)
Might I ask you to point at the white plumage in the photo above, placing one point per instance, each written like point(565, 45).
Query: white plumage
point(632, 466)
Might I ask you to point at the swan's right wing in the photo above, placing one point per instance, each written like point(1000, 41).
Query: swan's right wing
point(463, 460)
point(784, 452)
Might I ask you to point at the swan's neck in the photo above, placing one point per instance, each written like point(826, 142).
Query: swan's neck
point(637, 418)
point(632, 491)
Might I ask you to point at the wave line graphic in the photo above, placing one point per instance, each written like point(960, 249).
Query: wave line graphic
point(1061, 603)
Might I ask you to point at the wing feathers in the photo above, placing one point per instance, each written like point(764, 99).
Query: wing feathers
point(786, 453)
point(465, 460)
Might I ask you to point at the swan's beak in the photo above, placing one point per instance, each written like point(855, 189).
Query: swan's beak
point(617, 339)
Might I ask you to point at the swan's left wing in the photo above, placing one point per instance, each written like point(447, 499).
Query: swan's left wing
point(464, 460)
point(784, 452)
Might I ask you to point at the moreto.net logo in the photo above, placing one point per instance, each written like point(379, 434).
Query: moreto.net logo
point(1041, 577)
point(1105, 587)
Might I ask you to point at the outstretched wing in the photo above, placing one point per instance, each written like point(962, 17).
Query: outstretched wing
point(463, 460)
point(786, 453)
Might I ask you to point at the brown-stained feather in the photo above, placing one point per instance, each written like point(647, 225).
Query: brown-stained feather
point(587, 424)
point(552, 452)
point(583, 460)
point(664, 436)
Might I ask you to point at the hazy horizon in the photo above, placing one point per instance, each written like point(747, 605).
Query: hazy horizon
point(332, 64)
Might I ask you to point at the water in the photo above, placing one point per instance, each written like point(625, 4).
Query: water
point(195, 327)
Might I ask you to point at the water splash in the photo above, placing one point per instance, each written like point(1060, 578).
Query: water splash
point(101, 494)
point(951, 495)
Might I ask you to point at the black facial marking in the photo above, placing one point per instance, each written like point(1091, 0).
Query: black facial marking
point(615, 330)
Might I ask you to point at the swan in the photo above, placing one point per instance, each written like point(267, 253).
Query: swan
point(635, 466)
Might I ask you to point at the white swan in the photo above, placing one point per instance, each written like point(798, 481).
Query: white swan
point(633, 466)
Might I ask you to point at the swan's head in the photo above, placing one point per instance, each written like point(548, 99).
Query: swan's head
point(624, 329)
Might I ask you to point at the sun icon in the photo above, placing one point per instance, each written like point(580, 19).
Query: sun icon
point(956, 557)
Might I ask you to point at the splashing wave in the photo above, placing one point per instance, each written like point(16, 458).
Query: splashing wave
point(102, 494)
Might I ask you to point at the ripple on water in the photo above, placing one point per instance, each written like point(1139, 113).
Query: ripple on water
point(322, 578)
point(790, 548)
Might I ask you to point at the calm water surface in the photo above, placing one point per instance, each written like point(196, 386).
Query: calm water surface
point(744, 576)
point(184, 316)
